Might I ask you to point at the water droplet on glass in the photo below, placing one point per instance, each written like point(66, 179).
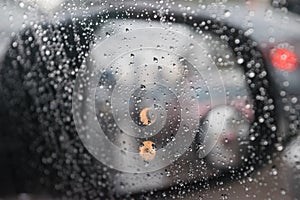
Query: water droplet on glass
point(227, 13)
point(240, 60)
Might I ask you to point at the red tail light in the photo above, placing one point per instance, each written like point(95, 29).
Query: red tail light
point(284, 59)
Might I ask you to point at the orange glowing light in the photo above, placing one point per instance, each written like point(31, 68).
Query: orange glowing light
point(147, 150)
point(144, 117)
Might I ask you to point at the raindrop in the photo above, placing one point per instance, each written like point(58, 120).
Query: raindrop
point(21, 4)
point(294, 100)
point(274, 171)
point(186, 128)
point(80, 97)
point(240, 61)
point(251, 75)
point(227, 13)
point(279, 147)
point(283, 192)
point(143, 87)
point(47, 52)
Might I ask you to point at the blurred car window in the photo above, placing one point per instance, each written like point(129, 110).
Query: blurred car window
point(143, 99)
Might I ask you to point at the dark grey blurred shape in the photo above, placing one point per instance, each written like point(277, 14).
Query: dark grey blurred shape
point(291, 5)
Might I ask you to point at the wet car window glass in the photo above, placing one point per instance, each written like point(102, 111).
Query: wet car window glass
point(149, 99)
